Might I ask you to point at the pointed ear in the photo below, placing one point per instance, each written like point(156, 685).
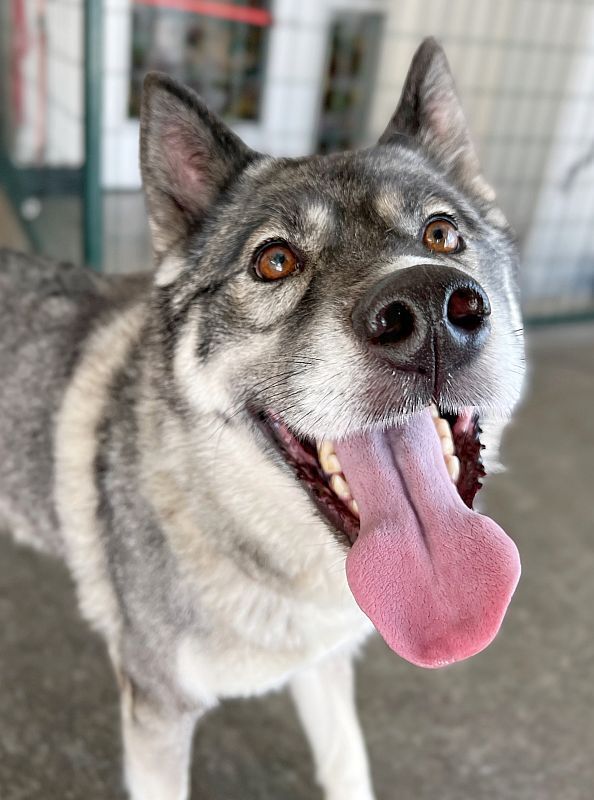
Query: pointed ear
point(429, 112)
point(187, 157)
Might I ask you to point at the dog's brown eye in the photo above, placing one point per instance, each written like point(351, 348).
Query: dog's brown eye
point(441, 236)
point(276, 261)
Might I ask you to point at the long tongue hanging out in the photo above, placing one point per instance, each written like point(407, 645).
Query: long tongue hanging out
point(434, 577)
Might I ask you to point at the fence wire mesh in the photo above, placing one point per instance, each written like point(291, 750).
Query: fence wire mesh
point(298, 76)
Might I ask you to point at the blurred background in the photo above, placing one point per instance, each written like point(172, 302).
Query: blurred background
point(294, 77)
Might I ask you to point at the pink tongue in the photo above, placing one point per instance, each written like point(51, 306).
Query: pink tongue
point(434, 577)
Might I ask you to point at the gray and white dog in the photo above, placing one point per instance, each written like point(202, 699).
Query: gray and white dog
point(272, 443)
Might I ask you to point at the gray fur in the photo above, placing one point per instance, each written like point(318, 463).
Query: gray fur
point(127, 440)
point(46, 312)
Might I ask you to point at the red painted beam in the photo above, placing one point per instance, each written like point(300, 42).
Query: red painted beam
point(211, 8)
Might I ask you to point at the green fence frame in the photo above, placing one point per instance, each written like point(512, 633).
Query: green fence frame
point(93, 90)
point(21, 183)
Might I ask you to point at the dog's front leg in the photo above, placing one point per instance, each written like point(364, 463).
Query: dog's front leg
point(157, 746)
point(325, 701)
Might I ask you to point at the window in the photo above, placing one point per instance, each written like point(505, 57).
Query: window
point(217, 48)
point(349, 82)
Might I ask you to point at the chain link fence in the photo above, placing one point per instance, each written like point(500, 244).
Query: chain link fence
point(300, 76)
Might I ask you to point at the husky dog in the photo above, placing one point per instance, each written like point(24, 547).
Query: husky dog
point(251, 458)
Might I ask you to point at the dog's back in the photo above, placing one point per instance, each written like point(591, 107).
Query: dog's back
point(46, 313)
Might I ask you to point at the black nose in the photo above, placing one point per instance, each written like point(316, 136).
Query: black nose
point(426, 319)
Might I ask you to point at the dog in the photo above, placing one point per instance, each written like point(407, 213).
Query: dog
point(270, 446)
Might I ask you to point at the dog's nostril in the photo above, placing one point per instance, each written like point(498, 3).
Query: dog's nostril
point(467, 309)
point(392, 324)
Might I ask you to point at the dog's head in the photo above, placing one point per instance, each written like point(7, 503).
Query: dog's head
point(360, 310)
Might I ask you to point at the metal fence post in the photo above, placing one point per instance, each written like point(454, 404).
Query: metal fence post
point(93, 84)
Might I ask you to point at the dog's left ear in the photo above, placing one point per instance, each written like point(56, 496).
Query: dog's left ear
point(430, 113)
point(188, 156)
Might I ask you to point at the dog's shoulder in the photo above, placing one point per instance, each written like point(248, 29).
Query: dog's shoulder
point(48, 305)
point(49, 312)
point(35, 278)
point(24, 274)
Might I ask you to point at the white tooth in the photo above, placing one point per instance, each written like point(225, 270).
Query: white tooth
point(447, 445)
point(328, 458)
point(442, 426)
point(333, 466)
point(453, 467)
point(340, 487)
point(354, 507)
point(325, 448)
point(330, 464)
point(434, 411)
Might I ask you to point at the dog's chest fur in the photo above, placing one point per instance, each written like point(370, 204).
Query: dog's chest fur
point(271, 590)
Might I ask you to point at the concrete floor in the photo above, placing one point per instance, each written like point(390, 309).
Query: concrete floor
point(514, 723)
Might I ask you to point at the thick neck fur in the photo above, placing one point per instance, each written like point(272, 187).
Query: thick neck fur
point(216, 490)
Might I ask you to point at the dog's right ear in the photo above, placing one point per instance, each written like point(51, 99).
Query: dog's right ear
point(429, 113)
point(187, 157)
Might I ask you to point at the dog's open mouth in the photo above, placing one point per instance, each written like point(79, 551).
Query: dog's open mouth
point(434, 576)
point(318, 467)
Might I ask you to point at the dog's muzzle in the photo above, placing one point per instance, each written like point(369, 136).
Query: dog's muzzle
point(427, 319)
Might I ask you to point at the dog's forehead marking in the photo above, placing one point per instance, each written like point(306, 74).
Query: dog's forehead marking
point(438, 206)
point(319, 222)
point(314, 227)
point(388, 204)
point(393, 207)
point(319, 215)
